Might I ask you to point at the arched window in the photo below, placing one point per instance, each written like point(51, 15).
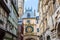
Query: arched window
point(28, 15)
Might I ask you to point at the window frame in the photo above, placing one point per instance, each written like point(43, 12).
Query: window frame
point(37, 29)
point(28, 15)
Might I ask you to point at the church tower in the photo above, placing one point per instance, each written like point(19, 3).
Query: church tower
point(29, 24)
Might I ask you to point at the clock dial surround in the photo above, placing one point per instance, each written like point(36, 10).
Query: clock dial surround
point(29, 29)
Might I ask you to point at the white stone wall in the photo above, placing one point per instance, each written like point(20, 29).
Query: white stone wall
point(20, 3)
point(53, 35)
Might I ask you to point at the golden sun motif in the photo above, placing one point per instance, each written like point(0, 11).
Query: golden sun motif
point(29, 29)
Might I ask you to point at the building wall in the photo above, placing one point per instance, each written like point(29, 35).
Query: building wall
point(12, 21)
point(20, 7)
point(3, 18)
point(32, 23)
point(4, 12)
point(20, 12)
point(13, 18)
point(48, 10)
point(34, 34)
point(9, 18)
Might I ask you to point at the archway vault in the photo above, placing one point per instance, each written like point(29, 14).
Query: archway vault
point(31, 38)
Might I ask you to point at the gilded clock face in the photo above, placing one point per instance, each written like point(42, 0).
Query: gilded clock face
point(29, 29)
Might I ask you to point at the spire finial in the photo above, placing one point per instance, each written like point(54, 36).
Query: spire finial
point(34, 13)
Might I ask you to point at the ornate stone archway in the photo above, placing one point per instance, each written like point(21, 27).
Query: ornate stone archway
point(31, 38)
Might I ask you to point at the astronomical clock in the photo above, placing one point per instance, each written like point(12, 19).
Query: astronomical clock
point(29, 29)
point(29, 24)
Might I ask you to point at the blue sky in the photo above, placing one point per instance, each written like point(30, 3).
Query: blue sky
point(31, 3)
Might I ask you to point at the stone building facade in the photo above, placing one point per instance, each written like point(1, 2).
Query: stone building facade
point(8, 19)
point(30, 25)
point(49, 11)
point(20, 7)
point(20, 12)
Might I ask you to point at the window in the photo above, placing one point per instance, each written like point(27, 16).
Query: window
point(8, 26)
point(28, 21)
point(37, 22)
point(11, 27)
point(28, 15)
point(1, 22)
point(37, 18)
point(6, 15)
point(37, 29)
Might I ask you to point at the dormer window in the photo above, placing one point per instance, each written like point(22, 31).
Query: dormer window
point(28, 15)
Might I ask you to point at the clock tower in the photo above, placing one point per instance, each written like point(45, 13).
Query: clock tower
point(29, 22)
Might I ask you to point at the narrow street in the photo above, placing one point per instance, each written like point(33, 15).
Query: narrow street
point(29, 19)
